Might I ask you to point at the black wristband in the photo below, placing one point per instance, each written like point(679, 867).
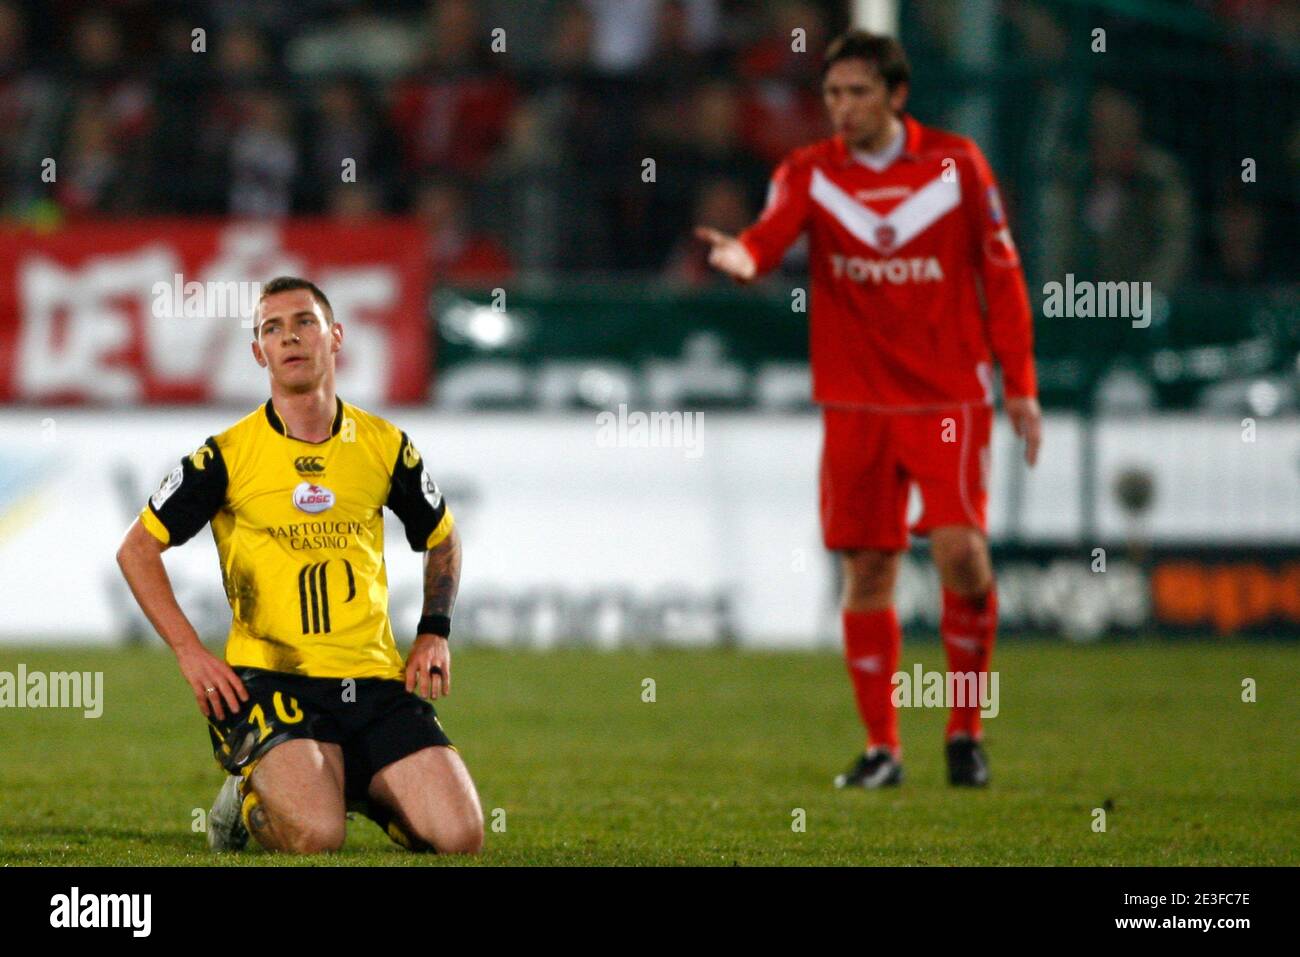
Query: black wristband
point(434, 625)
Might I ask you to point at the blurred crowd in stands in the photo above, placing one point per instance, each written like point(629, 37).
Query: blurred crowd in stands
point(524, 151)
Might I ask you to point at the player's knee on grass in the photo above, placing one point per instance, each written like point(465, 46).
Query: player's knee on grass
point(425, 826)
point(293, 832)
point(962, 556)
point(316, 836)
point(433, 802)
point(295, 798)
point(438, 835)
point(869, 578)
point(467, 840)
point(460, 835)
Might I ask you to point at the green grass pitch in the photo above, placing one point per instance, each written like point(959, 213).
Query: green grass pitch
point(713, 770)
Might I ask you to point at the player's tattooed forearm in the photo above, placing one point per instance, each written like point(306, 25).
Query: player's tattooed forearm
point(439, 594)
point(442, 576)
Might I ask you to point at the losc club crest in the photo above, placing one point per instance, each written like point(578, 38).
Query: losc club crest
point(312, 498)
point(886, 237)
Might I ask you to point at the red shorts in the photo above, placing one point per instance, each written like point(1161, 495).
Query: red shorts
point(871, 459)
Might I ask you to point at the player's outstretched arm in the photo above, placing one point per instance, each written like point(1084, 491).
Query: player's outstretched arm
point(760, 247)
point(428, 666)
point(140, 558)
point(728, 254)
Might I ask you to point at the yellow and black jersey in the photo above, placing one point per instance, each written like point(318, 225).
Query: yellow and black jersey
point(300, 532)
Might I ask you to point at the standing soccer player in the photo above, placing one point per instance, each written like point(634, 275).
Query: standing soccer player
point(313, 711)
point(916, 288)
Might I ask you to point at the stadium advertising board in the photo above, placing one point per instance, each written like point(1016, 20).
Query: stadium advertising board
point(156, 311)
point(575, 535)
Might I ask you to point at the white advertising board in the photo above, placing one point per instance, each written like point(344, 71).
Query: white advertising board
point(574, 532)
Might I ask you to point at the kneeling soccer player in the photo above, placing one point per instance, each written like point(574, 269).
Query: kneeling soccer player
point(313, 712)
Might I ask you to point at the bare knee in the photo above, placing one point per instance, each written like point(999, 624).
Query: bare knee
point(962, 557)
point(299, 806)
point(312, 835)
point(869, 578)
point(433, 801)
point(465, 837)
point(317, 837)
point(443, 835)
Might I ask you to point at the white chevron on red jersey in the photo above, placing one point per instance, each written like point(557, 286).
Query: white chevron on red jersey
point(916, 283)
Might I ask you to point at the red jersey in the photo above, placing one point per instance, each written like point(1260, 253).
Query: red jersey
point(916, 283)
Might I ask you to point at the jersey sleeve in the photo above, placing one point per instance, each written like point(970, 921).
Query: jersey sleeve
point(1007, 313)
point(415, 498)
point(784, 217)
point(188, 497)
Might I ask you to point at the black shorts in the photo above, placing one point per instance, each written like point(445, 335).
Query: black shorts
point(375, 720)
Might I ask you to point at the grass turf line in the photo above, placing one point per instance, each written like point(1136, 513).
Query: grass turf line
point(712, 771)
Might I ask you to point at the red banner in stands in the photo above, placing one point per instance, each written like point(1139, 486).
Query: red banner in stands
point(159, 311)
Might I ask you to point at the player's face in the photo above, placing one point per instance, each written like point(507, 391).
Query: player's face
point(859, 103)
point(295, 342)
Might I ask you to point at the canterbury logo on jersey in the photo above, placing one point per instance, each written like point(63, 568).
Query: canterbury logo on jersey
point(309, 464)
point(901, 225)
point(896, 271)
point(314, 595)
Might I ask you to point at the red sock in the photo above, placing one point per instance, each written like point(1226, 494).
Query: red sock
point(871, 643)
point(968, 627)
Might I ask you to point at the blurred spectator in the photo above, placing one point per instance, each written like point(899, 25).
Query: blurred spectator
point(242, 66)
point(1274, 23)
point(263, 161)
point(783, 106)
point(344, 129)
point(570, 41)
point(1133, 220)
point(243, 59)
point(526, 181)
point(775, 57)
point(592, 115)
point(97, 66)
point(676, 49)
point(13, 39)
point(626, 31)
point(90, 176)
point(1238, 229)
point(28, 116)
point(354, 201)
point(708, 146)
point(455, 113)
point(106, 116)
point(458, 254)
point(243, 63)
point(552, 135)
